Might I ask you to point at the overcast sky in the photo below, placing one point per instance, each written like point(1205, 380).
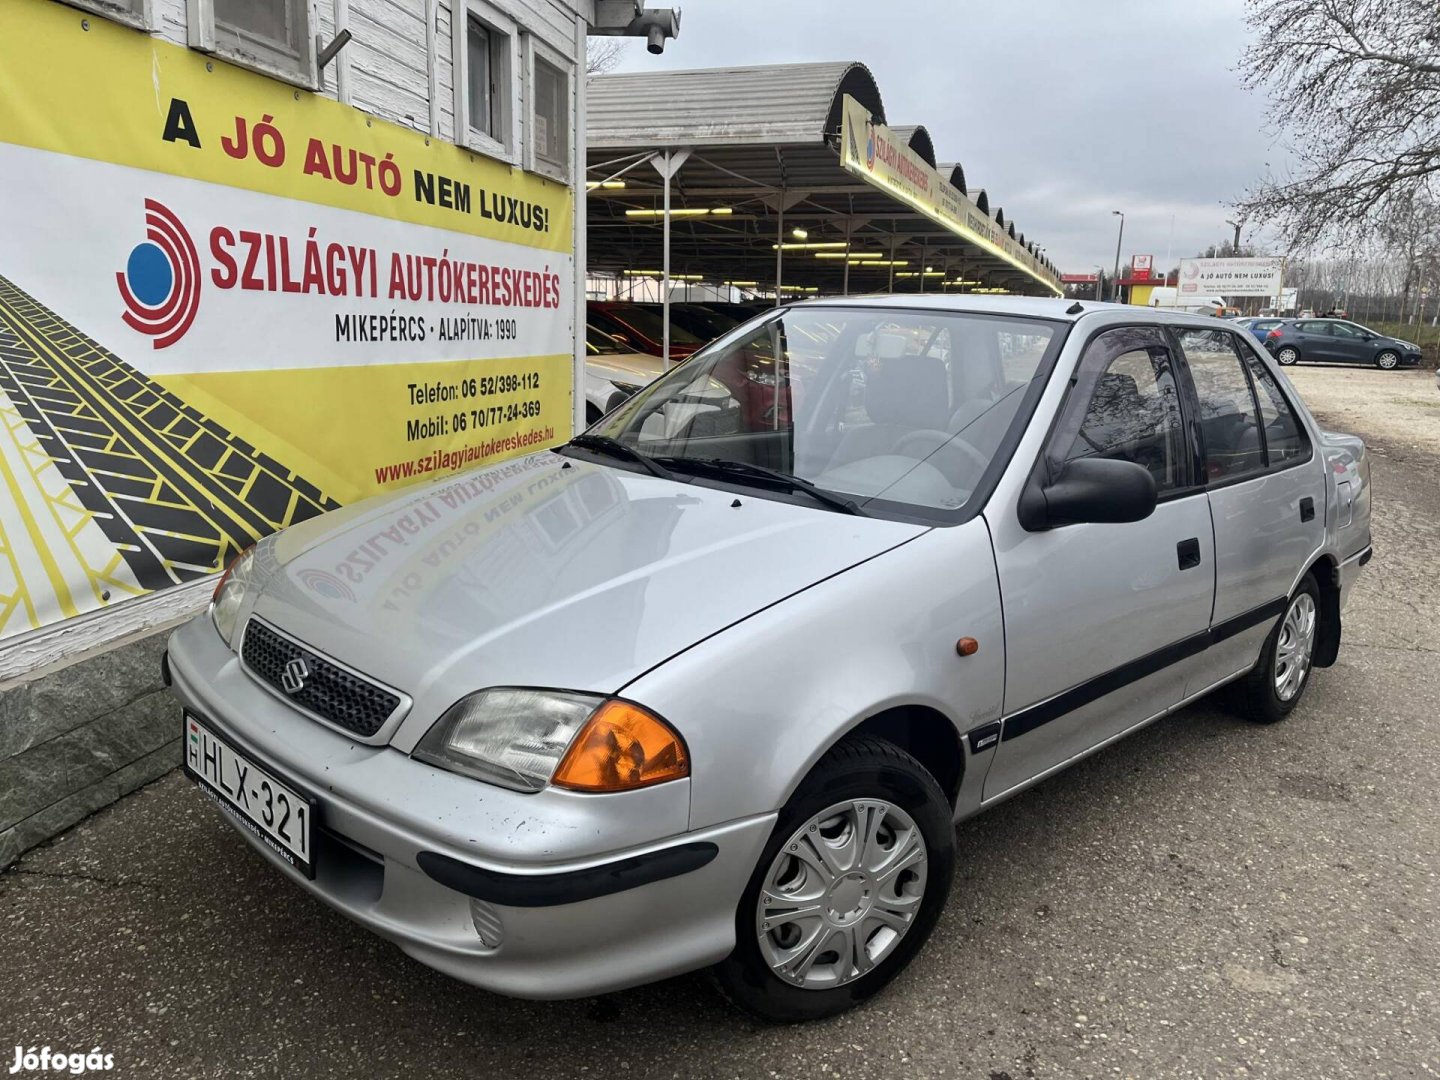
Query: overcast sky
point(1062, 111)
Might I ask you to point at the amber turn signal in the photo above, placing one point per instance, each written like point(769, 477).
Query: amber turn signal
point(622, 747)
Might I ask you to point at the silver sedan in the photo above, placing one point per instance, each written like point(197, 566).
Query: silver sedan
point(710, 685)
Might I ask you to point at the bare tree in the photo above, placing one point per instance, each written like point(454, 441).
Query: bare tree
point(603, 54)
point(1356, 85)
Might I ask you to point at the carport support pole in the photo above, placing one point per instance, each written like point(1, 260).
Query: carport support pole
point(665, 276)
point(667, 165)
point(779, 246)
point(845, 281)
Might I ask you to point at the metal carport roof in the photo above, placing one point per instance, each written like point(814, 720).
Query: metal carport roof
point(763, 147)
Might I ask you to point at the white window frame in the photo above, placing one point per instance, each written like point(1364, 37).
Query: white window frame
point(207, 37)
point(539, 50)
point(506, 33)
point(136, 13)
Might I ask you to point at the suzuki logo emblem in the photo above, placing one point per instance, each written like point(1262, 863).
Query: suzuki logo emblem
point(294, 676)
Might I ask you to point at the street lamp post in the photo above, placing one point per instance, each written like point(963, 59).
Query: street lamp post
point(1119, 240)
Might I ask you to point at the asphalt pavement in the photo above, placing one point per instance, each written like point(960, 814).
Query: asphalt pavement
point(1205, 899)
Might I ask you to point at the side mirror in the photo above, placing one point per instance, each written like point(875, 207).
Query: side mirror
point(1098, 490)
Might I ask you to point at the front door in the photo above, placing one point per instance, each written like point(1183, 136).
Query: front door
point(1102, 621)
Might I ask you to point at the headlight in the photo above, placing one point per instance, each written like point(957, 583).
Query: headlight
point(525, 739)
point(230, 594)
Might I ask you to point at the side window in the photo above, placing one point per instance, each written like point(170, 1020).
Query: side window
point(1285, 441)
point(129, 12)
point(1229, 417)
point(1133, 409)
point(484, 58)
point(551, 100)
point(1347, 331)
point(1313, 328)
point(272, 36)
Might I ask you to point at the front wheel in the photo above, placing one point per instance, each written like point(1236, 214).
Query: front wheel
point(1288, 355)
point(847, 890)
point(1279, 680)
point(1388, 360)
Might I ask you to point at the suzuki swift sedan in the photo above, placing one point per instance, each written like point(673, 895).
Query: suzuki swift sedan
point(710, 685)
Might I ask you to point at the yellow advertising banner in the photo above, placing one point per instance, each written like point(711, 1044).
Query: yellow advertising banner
point(872, 152)
point(227, 305)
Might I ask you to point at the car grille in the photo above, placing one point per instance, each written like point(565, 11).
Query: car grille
point(326, 689)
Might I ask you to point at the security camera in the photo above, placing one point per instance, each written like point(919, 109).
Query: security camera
point(655, 39)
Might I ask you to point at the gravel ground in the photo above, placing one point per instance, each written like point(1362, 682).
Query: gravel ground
point(1205, 899)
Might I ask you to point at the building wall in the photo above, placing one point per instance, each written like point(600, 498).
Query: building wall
point(84, 718)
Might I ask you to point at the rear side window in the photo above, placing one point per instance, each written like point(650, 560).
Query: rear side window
point(1313, 327)
point(1284, 439)
point(1229, 414)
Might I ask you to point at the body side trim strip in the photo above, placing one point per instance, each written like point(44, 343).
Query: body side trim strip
point(1042, 713)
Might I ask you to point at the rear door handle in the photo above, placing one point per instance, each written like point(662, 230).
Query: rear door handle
point(1307, 509)
point(1188, 552)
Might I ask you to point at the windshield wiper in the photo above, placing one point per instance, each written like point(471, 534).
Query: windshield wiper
point(724, 466)
point(604, 444)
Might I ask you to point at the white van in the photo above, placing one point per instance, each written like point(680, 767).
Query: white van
point(1164, 296)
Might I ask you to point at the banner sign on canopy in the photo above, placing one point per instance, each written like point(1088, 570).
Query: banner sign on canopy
point(874, 153)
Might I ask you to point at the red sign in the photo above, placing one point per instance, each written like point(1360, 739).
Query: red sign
point(1140, 266)
point(1079, 279)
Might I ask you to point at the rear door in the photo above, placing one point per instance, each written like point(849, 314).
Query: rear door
point(1102, 620)
point(1315, 341)
point(1266, 490)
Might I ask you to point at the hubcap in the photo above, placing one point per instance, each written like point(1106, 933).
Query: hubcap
point(1288, 356)
point(1297, 643)
point(1387, 361)
point(842, 892)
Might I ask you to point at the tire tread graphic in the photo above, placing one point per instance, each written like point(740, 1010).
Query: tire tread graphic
point(175, 494)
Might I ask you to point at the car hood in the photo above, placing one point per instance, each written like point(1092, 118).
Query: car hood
point(545, 571)
point(626, 367)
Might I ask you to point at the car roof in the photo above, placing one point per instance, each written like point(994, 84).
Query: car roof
point(1034, 307)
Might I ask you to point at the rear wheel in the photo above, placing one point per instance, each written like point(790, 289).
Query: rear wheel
point(1279, 680)
point(847, 890)
point(1288, 355)
point(1388, 360)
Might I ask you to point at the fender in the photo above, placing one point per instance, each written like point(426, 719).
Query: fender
point(761, 702)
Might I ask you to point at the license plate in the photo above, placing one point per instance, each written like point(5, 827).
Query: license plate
point(270, 809)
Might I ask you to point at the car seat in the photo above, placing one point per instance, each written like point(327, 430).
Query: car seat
point(902, 395)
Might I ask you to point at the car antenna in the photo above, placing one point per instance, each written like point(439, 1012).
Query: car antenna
point(1076, 308)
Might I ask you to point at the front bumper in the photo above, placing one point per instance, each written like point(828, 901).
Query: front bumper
point(572, 897)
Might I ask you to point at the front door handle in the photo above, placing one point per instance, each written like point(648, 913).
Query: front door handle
point(1307, 509)
point(1188, 552)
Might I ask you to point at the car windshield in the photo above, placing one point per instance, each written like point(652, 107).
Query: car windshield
point(599, 343)
point(902, 409)
point(649, 323)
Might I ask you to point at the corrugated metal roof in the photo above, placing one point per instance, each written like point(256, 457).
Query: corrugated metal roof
point(918, 139)
point(779, 103)
point(955, 172)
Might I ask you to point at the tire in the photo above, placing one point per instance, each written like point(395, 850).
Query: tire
point(1288, 355)
point(1262, 697)
point(1388, 360)
point(592, 414)
point(880, 778)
